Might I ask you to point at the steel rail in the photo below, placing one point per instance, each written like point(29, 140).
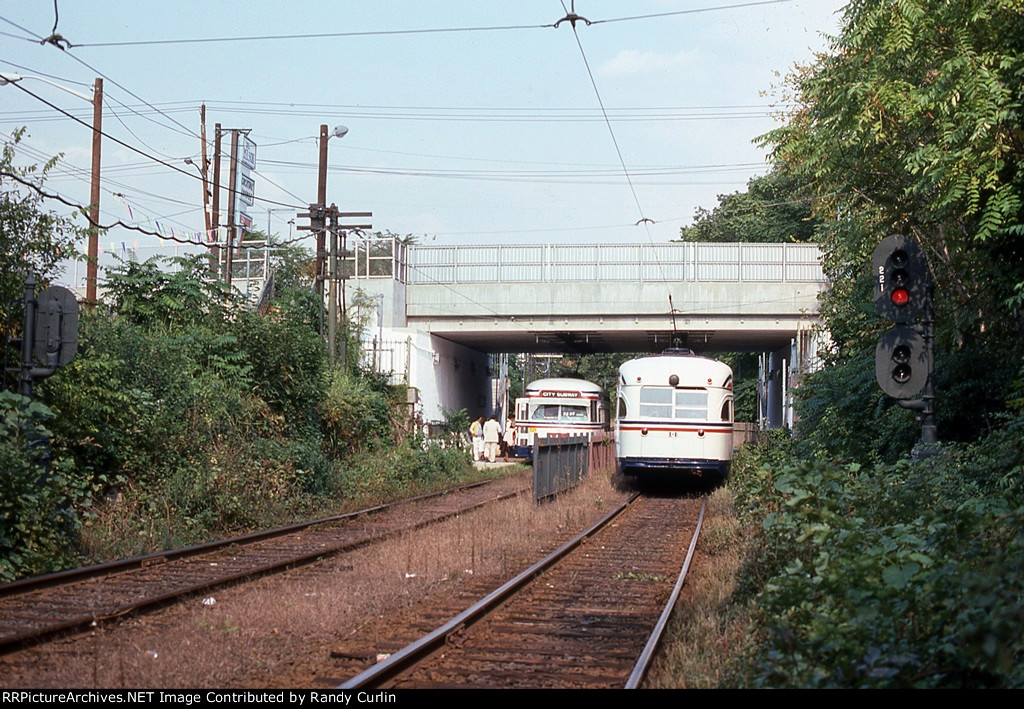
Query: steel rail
point(80, 574)
point(415, 651)
point(31, 636)
point(647, 656)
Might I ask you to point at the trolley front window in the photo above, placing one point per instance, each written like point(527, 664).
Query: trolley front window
point(691, 404)
point(559, 412)
point(667, 403)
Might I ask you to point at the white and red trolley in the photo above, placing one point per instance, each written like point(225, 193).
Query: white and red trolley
point(674, 416)
point(560, 407)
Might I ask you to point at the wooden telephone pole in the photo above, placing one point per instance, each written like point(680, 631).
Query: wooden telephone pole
point(94, 194)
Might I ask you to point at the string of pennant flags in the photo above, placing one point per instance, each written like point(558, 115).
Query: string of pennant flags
point(162, 229)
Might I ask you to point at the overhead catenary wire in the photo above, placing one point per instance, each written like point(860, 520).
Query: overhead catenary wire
point(414, 174)
point(611, 131)
point(42, 40)
point(412, 31)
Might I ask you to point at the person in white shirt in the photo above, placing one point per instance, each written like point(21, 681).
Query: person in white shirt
point(492, 433)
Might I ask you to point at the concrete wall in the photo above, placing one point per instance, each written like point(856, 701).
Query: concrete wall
point(445, 374)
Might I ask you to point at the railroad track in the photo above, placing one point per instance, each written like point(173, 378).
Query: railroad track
point(590, 615)
point(33, 610)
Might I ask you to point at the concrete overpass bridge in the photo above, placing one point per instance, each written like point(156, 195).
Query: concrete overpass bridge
point(453, 305)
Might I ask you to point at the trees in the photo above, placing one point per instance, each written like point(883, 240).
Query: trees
point(776, 208)
point(913, 123)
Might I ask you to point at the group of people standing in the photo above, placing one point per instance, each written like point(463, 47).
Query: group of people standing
point(488, 439)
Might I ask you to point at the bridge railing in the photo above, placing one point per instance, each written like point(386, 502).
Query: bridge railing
point(554, 263)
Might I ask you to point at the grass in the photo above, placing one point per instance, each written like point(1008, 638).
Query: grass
point(706, 630)
point(284, 631)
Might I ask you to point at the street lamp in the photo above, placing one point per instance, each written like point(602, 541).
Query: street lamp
point(321, 195)
point(206, 192)
point(94, 193)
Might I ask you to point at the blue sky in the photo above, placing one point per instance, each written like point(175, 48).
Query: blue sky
point(456, 137)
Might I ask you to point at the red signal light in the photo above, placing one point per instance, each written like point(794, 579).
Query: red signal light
point(900, 296)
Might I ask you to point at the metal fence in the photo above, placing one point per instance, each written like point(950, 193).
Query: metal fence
point(387, 357)
point(559, 464)
point(743, 433)
point(374, 258)
point(544, 263)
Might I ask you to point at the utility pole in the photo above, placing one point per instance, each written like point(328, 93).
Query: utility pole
point(232, 176)
point(215, 217)
point(321, 199)
point(206, 169)
point(332, 302)
point(94, 193)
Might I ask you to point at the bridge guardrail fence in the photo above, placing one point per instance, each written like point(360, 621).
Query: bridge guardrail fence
point(556, 263)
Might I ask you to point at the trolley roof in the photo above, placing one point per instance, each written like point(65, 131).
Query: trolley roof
point(691, 370)
point(565, 385)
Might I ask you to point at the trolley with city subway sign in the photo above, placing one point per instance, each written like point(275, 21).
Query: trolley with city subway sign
point(674, 416)
point(560, 407)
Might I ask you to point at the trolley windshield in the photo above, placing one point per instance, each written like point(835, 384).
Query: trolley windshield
point(669, 403)
point(569, 413)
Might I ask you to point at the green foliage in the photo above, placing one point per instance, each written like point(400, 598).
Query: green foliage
point(921, 137)
point(287, 365)
point(455, 428)
point(185, 416)
point(389, 472)
point(294, 297)
point(170, 291)
point(775, 208)
point(906, 575)
point(356, 415)
point(842, 412)
point(37, 525)
point(603, 370)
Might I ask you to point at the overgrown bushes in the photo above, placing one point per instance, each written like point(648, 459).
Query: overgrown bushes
point(185, 416)
point(901, 575)
point(36, 517)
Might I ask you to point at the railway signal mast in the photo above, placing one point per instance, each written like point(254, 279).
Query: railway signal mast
point(903, 290)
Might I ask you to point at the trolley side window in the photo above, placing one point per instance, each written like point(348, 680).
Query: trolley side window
point(621, 413)
point(727, 410)
point(691, 404)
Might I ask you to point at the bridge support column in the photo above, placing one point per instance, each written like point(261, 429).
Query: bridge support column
point(776, 378)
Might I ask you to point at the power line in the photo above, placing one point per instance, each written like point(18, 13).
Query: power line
point(593, 171)
point(137, 150)
point(85, 211)
point(686, 12)
point(23, 29)
point(318, 35)
point(131, 227)
point(62, 79)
